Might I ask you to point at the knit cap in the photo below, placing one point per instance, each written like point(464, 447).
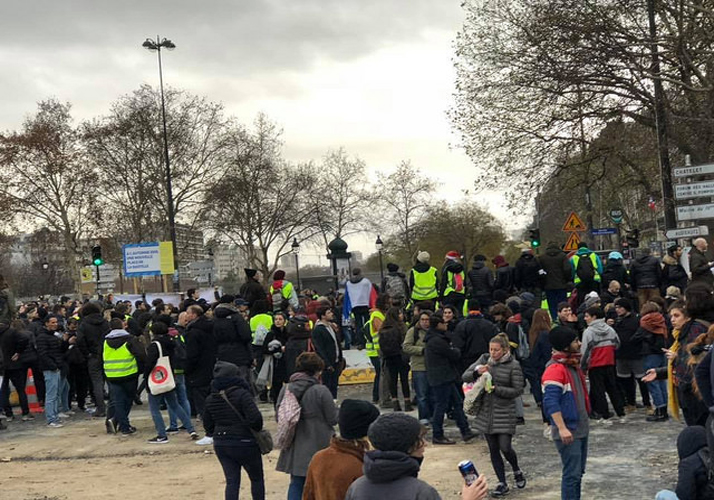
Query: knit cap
point(224, 369)
point(561, 337)
point(423, 257)
point(355, 417)
point(394, 432)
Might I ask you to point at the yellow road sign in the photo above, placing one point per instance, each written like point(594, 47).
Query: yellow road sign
point(573, 242)
point(574, 223)
point(86, 273)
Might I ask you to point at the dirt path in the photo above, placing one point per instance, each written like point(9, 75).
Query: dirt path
point(78, 462)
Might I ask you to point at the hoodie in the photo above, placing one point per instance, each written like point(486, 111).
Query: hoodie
point(599, 344)
point(116, 338)
point(393, 475)
point(692, 481)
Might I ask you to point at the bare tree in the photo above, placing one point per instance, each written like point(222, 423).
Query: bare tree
point(46, 179)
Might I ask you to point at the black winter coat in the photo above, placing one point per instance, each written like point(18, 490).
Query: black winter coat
point(673, 274)
point(557, 267)
point(233, 336)
point(527, 268)
point(646, 272)
point(11, 342)
point(51, 350)
point(200, 352)
point(221, 421)
point(442, 360)
point(251, 291)
point(505, 279)
point(480, 281)
point(626, 327)
point(325, 346)
point(699, 267)
point(471, 337)
point(614, 270)
point(299, 341)
point(90, 335)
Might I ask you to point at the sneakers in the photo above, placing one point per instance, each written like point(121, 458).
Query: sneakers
point(28, 418)
point(111, 426)
point(520, 479)
point(55, 425)
point(194, 436)
point(9, 418)
point(128, 432)
point(501, 490)
point(442, 440)
point(205, 441)
point(622, 419)
point(159, 440)
point(659, 415)
point(604, 421)
point(63, 415)
point(172, 430)
point(547, 433)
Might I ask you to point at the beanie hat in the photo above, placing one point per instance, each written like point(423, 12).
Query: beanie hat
point(479, 258)
point(528, 298)
point(591, 300)
point(561, 337)
point(423, 257)
point(514, 306)
point(615, 256)
point(624, 303)
point(673, 292)
point(499, 261)
point(224, 369)
point(394, 432)
point(250, 272)
point(452, 255)
point(279, 275)
point(355, 417)
point(392, 267)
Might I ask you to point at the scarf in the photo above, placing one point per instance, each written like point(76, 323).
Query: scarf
point(504, 359)
point(672, 396)
point(654, 322)
point(571, 360)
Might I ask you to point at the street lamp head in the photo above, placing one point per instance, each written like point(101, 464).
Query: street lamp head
point(379, 244)
point(45, 266)
point(149, 44)
point(168, 44)
point(295, 246)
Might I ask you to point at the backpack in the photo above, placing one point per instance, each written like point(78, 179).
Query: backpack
point(585, 270)
point(278, 300)
point(288, 417)
point(389, 342)
point(394, 287)
point(523, 350)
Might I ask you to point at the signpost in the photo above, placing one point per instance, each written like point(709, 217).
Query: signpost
point(687, 232)
point(603, 231)
point(695, 212)
point(690, 171)
point(694, 190)
point(148, 259)
point(572, 243)
point(574, 223)
point(616, 215)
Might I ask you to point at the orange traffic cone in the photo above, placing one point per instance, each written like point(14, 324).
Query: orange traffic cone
point(31, 392)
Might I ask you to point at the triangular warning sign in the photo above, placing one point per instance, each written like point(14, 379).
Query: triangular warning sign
point(572, 243)
point(574, 223)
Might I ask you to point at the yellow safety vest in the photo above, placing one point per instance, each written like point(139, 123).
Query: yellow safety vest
point(424, 284)
point(576, 259)
point(119, 362)
point(450, 281)
point(286, 291)
point(373, 347)
point(263, 319)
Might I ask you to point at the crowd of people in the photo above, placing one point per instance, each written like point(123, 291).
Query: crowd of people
point(582, 336)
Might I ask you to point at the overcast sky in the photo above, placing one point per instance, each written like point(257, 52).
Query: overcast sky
point(373, 76)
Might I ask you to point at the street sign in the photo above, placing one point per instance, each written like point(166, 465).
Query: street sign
point(695, 212)
point(698, 170)
point(572, 243)
point(603, 231)
point(574, 223)
point(148, 259)
point(694, 190)
point(616, 215)
point(86, 273)
point(687, 232)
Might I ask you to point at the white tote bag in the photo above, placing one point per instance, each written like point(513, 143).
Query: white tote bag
point(161, 379)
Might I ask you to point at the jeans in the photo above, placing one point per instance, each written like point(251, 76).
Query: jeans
point(376, 362)
point(182, 396)
point(444, 395)
point(574, 457)
point(347, 336)
point(121, 397)
point(555, 297)
point(96, 375)
point(64, 405)
point(19, 380)
point(232, 459)
point(52, 383)
point(172, 402)
point(666, 495)
point(657, 388)
point(425, 403)
point(530, 374)
point(297, 484)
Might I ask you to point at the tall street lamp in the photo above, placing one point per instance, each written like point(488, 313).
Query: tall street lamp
point(157, 46)
point(380, 245)
point(296, 251)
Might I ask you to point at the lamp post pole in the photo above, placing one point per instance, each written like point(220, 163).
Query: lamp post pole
point(157, 45)
point(380, 245)
point(296, 250)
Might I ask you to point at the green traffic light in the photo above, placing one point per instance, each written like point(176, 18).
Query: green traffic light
point(98, 262)
point(535, 243)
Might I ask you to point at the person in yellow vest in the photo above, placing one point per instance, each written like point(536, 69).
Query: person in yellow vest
point(283, 293)
point(376, 318)
point(124, 358)
point(424, 281)
point(453, 281)
point(261, 321)
point(587, 275)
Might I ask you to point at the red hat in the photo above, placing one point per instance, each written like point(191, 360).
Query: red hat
point(453, 255)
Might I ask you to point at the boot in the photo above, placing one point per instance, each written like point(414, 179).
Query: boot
point(659, 415)
point(408, 405)
point(397, 406)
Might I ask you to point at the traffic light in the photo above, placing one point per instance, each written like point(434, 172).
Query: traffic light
point(535, 237)
point(97, 255)
point(633, 238)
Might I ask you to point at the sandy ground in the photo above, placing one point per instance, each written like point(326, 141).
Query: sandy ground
point(80, 461)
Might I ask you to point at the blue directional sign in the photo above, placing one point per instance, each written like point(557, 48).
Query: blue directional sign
point(603, 231)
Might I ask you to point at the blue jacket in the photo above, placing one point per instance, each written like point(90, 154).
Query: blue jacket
point(558, 395)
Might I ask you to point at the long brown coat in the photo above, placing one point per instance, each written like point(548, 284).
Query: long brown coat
point(498, 411)
point(333, 470)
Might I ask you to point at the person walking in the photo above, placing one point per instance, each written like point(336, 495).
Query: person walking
point(413, 347)
point(324, 338)
point(299, 341)
point(282, 293)
point(162, 344)
point(496, 417)
point(554, 263)
point(442, 361)
point(334, 469)
point(566, 404)
point(528, 273)
point(541, 351)
point(230, 415)
point(391, 336)
point(314, 430)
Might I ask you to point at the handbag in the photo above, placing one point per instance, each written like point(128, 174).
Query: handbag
point(262, 437)
point(161, 379)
